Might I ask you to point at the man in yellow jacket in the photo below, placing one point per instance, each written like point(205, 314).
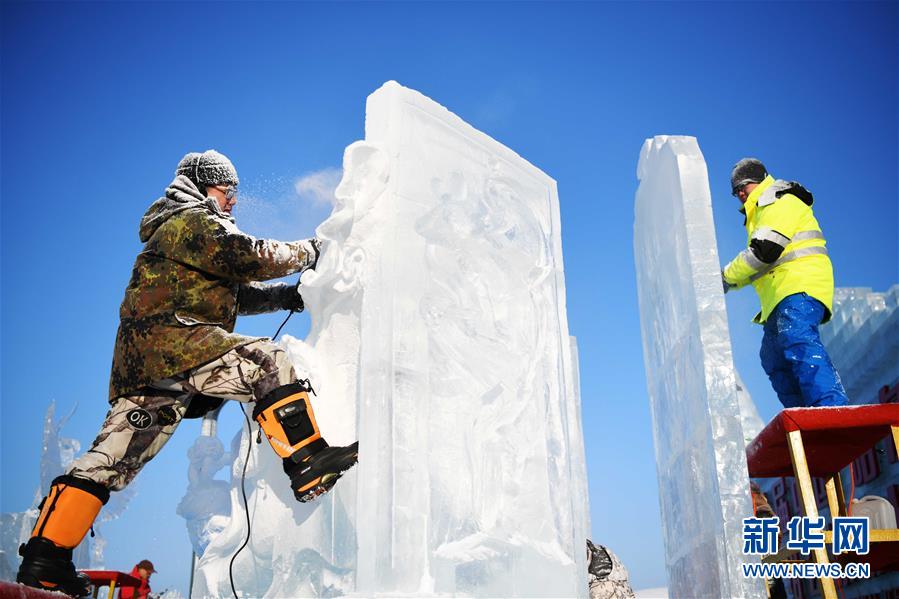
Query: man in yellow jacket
point(786, 262)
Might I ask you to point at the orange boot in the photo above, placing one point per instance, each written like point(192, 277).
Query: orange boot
point(67, 513)
point(285, 416)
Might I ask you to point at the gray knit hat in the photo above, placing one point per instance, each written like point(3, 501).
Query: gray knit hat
point(748, 170)
point(207, 169)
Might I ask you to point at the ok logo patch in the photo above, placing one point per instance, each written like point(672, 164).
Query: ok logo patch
point(139, 419)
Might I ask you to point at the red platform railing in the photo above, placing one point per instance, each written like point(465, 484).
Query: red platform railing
point(115, 580)
point(12, 590)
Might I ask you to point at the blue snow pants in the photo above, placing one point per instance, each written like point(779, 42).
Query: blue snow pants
point(794, 357)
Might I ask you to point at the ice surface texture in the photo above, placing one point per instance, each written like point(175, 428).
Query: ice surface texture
point(440, 339)
point(862, 339)
point(699, 444)
point(749, 414)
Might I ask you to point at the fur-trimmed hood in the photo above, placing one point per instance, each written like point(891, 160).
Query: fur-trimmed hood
point(181, 194)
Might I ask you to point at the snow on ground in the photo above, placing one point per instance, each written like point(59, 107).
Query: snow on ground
point(656, 593)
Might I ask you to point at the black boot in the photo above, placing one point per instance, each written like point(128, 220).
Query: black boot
point(318, 472)
point(46, 566)
point(285, 416)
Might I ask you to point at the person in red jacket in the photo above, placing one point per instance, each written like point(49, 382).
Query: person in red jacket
point(143, 570)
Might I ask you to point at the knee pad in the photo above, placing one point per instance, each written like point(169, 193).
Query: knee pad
point(200, 405)
point(286, 418)
point(69, 510)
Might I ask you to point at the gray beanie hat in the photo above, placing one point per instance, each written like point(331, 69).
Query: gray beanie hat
point(207, 169)
point(748, 170)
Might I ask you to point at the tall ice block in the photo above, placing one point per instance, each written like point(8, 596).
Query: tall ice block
point(699, 444)
point(440, 340)
point(471, 472)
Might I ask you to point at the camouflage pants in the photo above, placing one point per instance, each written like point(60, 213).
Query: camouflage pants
point(137, 426)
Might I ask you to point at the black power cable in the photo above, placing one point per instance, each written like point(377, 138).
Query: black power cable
point(289, 314)
point(246, 505)
point(243, 478)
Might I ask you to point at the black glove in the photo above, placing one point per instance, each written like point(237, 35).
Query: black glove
point(262, 298)
point(290, 299)
point(727, 286)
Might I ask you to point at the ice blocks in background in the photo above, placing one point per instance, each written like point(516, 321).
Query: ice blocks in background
point(749, 414)
point(699, 443)
point(439, 339)
point(862, 339)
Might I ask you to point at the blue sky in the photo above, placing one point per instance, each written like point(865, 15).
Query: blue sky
point(100, 101)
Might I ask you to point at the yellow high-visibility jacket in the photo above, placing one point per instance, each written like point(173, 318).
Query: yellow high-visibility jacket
point(786, 251)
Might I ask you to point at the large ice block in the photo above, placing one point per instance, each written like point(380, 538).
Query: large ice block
point(440, 339)
point(699, 443)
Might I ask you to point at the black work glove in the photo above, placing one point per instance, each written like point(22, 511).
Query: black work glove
point(727, 286)
point(290, 299)
point(262, 298)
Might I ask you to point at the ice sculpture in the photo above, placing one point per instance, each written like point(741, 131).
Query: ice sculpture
point(206, 503)
point(863, 340)
point(15, 528)
point(56, 452)
point(699, 444)
point(440, 339)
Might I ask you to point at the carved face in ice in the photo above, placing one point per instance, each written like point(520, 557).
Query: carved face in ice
point(346, 231)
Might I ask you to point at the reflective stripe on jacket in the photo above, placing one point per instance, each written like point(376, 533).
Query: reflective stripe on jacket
point(786, 251)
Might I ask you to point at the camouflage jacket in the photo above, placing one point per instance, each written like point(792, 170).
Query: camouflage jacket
point(196, 273)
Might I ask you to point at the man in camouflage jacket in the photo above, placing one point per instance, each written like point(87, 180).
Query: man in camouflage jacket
point(196, 273)
point(176, 356)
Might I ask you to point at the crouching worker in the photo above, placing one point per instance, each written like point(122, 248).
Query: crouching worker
point(176, 357)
